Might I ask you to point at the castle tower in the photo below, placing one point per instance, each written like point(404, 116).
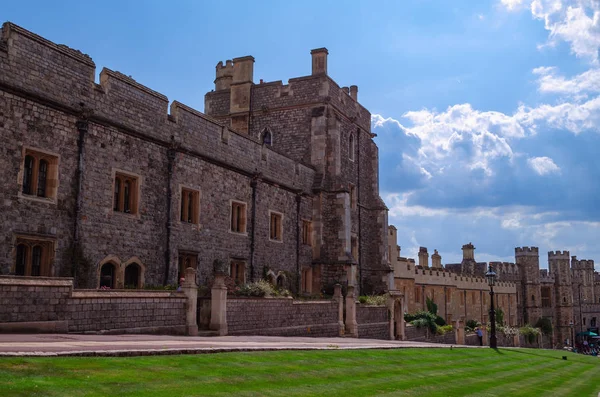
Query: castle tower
point(423, 257)
point(583, 275)
point(529, 292)
point(558, 264)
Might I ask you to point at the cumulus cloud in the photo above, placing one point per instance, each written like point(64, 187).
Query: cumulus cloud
point(571, 116)
point(550, 82)
point(575, 22)
point(543, 165)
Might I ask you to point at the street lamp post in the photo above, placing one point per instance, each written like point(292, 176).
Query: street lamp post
point(491, 279)
point(572, 334)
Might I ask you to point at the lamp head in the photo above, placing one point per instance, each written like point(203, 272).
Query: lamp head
point(490, 276)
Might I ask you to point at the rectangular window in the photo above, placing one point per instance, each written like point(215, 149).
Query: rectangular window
point(462, 297)
point(275, 228)
point(354, 247)
point(546, 297)
point(33, 257)
point(352, 190)
point(190, 206)
point(125, 193)
point(186, 259)
point(238, 217)
point(237, 271)
point(307, 280)
point(306, 232)
point(448, 296)
point(417, 294)
point(40, 174)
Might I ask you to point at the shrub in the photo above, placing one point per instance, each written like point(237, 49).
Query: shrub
point(440, 321)
point(372, 300)
point(499, 317)
point(423, 319)
point(529, 333)
point(444, 329)
point(545, 324)
point(470, 325)
point(258, 288)
point(431, 306)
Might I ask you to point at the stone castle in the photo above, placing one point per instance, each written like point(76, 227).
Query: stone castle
point(567, 293)
point(106, 183)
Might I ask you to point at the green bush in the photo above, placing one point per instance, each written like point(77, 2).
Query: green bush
point(499, 317)
point(444, 329)
point(545, 324)
point(258, 288)
point(440, 321)
point(373, 300)
point(529, 333)
point(431, 306)
point(422, 319)
point(470, 325)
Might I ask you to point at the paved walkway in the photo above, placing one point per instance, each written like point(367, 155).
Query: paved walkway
point(137, 345)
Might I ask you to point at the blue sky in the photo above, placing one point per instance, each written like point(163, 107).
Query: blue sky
point(487, 113)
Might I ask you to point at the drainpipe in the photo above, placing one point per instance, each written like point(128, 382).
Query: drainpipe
point(253, 184)
point(170, 162)
point(358, 206)
point(82, 126)
point(298, 226)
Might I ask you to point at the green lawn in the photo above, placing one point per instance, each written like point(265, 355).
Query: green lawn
point(403, 372)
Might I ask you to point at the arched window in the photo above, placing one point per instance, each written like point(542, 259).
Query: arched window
point(36, 261)
point(351, 147)
point(21, 260)
point(132, 276)
point(28, 175)
point(42, 178)
point(267, 138)
point(533, 298)
point(107, 275)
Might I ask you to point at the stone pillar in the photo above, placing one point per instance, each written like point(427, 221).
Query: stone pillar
point(190, 289)
point(218, 308)
point(319, 60)
point(337, 296)
point(459, 332)
point(485, 336)
point(351, 324)
point(436, 260)
point(516, 341)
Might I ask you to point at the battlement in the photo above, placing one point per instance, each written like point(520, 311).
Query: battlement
point(526, 251)
point(64, 78)
point(582, 264)
point(558, 255)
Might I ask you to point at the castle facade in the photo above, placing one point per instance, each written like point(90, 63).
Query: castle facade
point(107, 183)
point(567, 293)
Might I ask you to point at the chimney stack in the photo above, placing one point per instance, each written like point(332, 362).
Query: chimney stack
point(423, 257)
point(319, 61)
point(354, 92)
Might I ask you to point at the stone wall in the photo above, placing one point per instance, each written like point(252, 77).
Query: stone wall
point(282, 317)
point(424, 335)
point(373, 322)
point(50, 304)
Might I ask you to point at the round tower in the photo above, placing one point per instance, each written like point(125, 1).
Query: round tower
point(528, 290)
point(558, 264)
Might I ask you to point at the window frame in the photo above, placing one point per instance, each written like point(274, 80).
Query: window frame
point(276, 221)
point(351, 147)
point(235, 265)
point(51, 182)
point(244, 213)
point(119, 180)
point(185, 206)
point(307, 232)
point(192, 258)
point(46, 246)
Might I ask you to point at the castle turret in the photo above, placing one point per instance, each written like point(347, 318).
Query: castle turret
point(529, 293)
point(558, 264)
point(239, 99)
point(224, 75)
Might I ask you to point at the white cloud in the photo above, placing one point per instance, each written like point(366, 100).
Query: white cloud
point(512, 4)
point(543, 165)
point(576, 24)
point(550, 82)
point(574, 117)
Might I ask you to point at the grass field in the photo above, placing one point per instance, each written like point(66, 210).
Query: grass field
point(403, 372)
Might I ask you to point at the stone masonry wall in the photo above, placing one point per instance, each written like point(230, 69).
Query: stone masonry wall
point(373, 322)
point(282, 317)
point(45, 299)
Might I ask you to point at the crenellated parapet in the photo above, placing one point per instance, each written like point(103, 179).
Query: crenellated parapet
point(526, 251)
point(64, 78)
point(558, 255)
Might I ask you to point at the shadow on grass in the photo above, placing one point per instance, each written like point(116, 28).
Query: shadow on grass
point(533, 353)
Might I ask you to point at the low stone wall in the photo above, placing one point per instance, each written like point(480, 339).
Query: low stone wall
point(282, 317)
point(373, 322)
point(424, 335)
point(44, 304)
